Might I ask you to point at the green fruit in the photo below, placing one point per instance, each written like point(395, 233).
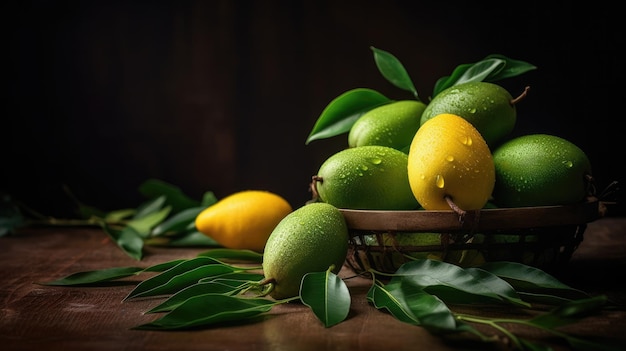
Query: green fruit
point(309, 239)
point(487, 106)
point(390, 125)
point(366, 177)
point(540, 170)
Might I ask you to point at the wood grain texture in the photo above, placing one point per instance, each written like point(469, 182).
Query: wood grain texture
point(33, 316)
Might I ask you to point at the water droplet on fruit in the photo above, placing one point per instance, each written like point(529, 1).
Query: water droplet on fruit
point(467, 140)
point(376, 161)
point(449, 158)
point(472, 110)
point(568, 164)
point(439, 181)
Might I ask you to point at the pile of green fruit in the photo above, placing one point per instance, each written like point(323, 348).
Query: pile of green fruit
point(454, 151)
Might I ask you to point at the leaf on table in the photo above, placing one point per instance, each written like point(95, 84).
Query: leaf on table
point(392, 69)
point(148, 216)
point(233, 254)
point(524, 278)
point(96, 276)
point(569, 312)
point(454, 284)
point(178, 222)
point(163, 278)
point(341, 113)
point(126, 239)
point(210, 309)
point(200, 288)
point(326, 295)
point(410, 304)
point(192, 238)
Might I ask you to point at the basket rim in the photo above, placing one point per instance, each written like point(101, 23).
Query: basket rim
point(484, 219)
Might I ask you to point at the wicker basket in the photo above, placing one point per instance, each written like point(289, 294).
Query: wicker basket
point(544, 237)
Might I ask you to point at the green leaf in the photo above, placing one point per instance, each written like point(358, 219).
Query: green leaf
point(161, 267)
point(170, 273)
point(235, 278)
point(191, 238)
point(210, 309)
point(513, 68)
point(383, 299)
point(201, 288)
point(326, 295)
point(492, 68)
point(570, 312)
point(178, 222)
point(184, 279)
point(341, 113)
point(410, 304)
point(392, 69)
point(208, 199)
point(497, 285)
point(97, 276)
point(453, 284)
point(476, 72)
point(154, 188)
point(530, 279)
point(481, 70)
point(233, 254)
point(148, 216)
point(126, 239)
point(119, 215)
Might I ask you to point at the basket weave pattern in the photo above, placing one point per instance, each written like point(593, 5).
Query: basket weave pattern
point(544, 237)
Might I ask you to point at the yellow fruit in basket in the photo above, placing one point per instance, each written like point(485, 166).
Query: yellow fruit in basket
point(488, 106)
point(310, 239)
point(243, 220)
point(449, 158)
point(371, 177)
point(390, 125)
point(540, 170)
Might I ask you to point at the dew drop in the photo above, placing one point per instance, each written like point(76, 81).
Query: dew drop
point(467, 140)
point(472, 110)
point(568, 164)
point(376, 161)
point(439, 181)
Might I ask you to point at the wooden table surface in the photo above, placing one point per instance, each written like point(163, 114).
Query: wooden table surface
point(33, 316)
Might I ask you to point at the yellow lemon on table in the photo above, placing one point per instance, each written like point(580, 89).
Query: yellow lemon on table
point(449, 158)
point(243, 220)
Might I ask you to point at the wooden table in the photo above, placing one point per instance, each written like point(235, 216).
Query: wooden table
point(33, 316)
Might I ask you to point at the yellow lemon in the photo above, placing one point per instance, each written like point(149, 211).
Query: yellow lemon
point(243, 220)
point(449, 158)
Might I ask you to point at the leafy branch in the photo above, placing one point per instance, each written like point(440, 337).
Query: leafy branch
point(341, 113)
point(206, 291)
point(167, 217)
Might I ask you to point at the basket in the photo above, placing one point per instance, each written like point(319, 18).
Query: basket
point(543, 236)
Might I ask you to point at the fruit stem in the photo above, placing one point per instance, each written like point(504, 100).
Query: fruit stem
point(313, 187)
point(520, 97)
point(455, 208)
point(268, 286)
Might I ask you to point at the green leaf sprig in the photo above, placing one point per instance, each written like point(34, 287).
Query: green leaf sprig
point(420, 291)
point(343, 111)
point(166, 218)
point(205, 291)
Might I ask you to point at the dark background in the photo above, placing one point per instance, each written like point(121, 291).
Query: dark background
point(221, 95)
